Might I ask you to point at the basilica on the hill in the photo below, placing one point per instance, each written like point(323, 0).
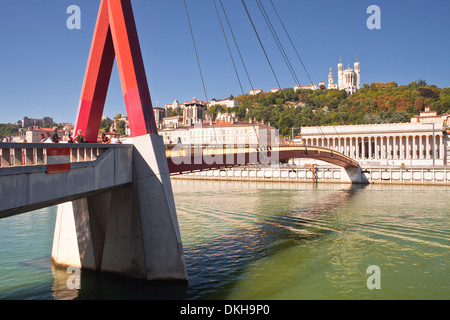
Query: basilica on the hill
point(348, 79)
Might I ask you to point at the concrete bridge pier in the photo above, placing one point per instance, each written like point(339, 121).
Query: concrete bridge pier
point(353, 175)
point(132, 230)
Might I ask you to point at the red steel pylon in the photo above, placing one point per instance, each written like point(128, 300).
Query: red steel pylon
point(115, 36)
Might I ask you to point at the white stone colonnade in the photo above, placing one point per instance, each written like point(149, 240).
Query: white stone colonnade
point(411, 144)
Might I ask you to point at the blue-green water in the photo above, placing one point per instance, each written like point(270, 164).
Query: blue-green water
point(265, 241)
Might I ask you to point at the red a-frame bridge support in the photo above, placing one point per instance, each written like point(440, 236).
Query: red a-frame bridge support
point(115, 36)
point(131, 231)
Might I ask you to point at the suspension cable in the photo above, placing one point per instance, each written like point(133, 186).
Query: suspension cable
point(195, 49)
point(236, 44)
point(292, 43)
point(234, 65)
point(277, 41)
point(228, 47)
point(198, 62)
point(262, 46)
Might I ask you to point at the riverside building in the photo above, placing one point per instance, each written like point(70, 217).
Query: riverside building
point(226, 133)
point(399, 144)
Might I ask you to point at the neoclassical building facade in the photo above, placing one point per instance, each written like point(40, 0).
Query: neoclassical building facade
point(409, 144)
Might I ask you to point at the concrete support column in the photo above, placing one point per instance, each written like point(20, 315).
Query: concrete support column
point(132, 230)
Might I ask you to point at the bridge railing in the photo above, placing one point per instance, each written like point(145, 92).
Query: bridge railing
point(183, 150)
point(32, 154)
point(240, 152)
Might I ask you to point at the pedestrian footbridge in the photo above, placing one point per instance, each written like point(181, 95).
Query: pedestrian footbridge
point(192, 158)
point(34, 176)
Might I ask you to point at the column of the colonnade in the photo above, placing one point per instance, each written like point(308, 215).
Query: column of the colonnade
point(363, 145)
point(402, 148)
point(394, 147)
point(357, 148)
point(413, 147)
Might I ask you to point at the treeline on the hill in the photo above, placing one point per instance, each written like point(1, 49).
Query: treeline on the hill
point(7, 130)
point(375, 103)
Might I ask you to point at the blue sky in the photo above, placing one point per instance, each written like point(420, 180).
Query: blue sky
point(42, 62)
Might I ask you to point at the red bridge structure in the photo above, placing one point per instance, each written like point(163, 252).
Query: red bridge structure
point(184, 159)
point(116, 211)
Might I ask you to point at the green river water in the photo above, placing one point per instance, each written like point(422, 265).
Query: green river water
point(254, 240)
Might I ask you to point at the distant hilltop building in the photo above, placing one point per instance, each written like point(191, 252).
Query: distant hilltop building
point(348, 79)
point(193, 112)
point(428, 116)
point(312, 87)
point(28, 122)
point(229, 103)
point(254, 92)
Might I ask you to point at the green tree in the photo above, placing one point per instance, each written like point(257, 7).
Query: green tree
point(121, 127)
point(105, 125)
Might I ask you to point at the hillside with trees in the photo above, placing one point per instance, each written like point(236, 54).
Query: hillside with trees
point(374, 103)
point(7, 130)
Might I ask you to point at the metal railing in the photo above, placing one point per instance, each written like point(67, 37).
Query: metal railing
point(33, 154)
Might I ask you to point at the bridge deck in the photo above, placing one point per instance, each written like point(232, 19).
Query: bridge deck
point(27, 183)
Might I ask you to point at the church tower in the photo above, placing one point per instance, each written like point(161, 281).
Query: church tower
point(341, 75)
point(349, 79)
point(330, 78)
point(358, 75)
point(331, 84)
